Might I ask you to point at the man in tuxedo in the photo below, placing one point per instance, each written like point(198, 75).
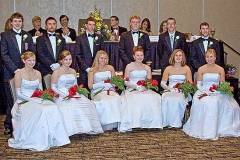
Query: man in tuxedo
point(115, 28)
point(65, 31)
point(87, 45)
point(37, 30)
point(168, 42)
point(201, 45)
point(49, 46)
point(133, 38)
point(14, 42)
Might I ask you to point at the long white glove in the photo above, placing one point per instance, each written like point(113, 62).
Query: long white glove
point(164, 86)
point(135, 86)
point(26, 98)
point(40, 86)
point(106, 86)
point(200, 87)
point(54, 66)
point(56, 90)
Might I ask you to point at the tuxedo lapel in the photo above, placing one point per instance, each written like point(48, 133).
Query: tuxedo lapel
point(167, 38)
point(57, 47)
point(175, 41)
point(200, 44)
point(87, 42)
point(14, 39)
point(131, 38)
point(49, 46)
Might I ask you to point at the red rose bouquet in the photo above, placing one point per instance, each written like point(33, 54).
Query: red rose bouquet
point(186, 88)
point(45, 94)
point(149, 84)
point(77, 89)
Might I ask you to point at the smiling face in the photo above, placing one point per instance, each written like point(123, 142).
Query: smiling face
point(171, 25)
point(144, 25)
point(51, 25)
point(37, 24)
point(90, 26)
point(204, 30)
point(138, 56)
point(64, 22)
point(67, 61)
point(30, 62)
point(210, 58)
point(17, 23)
point(102, 60)
point(178, 57)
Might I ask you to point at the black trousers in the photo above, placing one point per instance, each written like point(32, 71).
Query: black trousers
point(9, 99)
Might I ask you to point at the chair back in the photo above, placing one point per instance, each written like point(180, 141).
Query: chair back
point(13, 92)
point(47, 81)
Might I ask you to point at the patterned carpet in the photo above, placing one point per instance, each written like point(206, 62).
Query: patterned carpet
point(139, 144)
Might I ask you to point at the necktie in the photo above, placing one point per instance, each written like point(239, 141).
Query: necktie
point(171, 41)
point(136, 32)
point(20, 34)
point(90, 35)
point(51, 34)
point(204, 39)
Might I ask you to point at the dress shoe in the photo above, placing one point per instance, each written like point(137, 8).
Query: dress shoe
point(7, 131)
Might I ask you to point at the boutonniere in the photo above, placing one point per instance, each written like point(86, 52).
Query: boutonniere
point(177, 38)
point(140, 35)
point(210, 43)
point(96, 38)
point(25, 37)
point(59, 42)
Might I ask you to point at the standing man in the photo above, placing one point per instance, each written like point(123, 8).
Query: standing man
point(168, 42)
point(14, 42)
point(49, 46)
point(201, 45)
point(115, 28)
point(65, 31)
point(37, 30)
point(87, 45)
point(132, 38)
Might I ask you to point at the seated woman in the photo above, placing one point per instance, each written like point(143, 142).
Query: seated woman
point(37, 124)
point(108, 102)
point(163, 27)
point(173, 102)
point(79, 113)
point(215, 115)
point(146, 26)
point(141, 108)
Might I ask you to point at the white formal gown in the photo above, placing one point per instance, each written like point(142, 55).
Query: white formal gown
point(79, 114)
point(140, 109)
point(108, 106)
point(213, 116)
point(36, 127)
point(174, 104)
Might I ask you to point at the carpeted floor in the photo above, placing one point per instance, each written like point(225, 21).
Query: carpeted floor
point(139, 144)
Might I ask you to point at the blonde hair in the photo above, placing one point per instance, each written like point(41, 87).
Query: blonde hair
point(63, 55)
point(211, 51)
point(95, 65)
point(172, 60)
point(36, 18)
point(8, 25)
point(27, 55)
point(134, 17)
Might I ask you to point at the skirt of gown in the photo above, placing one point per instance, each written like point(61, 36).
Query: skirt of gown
point(79, 115)
point(140, 110)
point(37, 127)
point(212, 117)
point(108, 109)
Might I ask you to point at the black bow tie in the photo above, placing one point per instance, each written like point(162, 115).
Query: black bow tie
point(20, 34)
point(90, 35)
point(51, 34)
point(205, 39)
point(136, 32)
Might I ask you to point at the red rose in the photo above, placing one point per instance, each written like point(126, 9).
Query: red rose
point(177, 85)
point(127, 78)
point(107, 81)
point(141, 83)
point(214, 86)
point(81, 85)
point(154, 82)
point(57, 95)
point(232, 88)
point(37, 93)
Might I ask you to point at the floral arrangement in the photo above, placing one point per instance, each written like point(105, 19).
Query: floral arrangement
point(186, 88)
point(149, 84)
point(25, 37)
point(101, 27)
point(59, 42)
point(230, 70)
point(45, 94)
point(224, 88)
point(77, 89)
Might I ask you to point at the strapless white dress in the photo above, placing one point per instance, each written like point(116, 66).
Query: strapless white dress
point(140, 109)
point(174, 104)
point(213, 116)
point(79, 114)
point(108, 106)
point(36, 127)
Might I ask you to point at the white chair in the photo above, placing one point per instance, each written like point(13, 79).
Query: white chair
point(13, 92)
point(47, 81)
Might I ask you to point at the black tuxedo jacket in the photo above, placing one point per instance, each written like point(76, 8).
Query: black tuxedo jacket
point(120, 30)
point(10, 53)
point(83, 53)
point(197, 55)
point(164, 47)
point(45, 55)
point(126, 45)
point(33, 31)
point(72, 35)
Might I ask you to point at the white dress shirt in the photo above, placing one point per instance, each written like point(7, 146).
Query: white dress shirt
point(53, 44)
point(19, 39)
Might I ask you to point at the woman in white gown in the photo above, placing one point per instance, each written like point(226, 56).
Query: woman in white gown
point(215, 115)
point(141, 108)
point(37, 124)
point(108, 101)
point(173, 102)
point(79, 113)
